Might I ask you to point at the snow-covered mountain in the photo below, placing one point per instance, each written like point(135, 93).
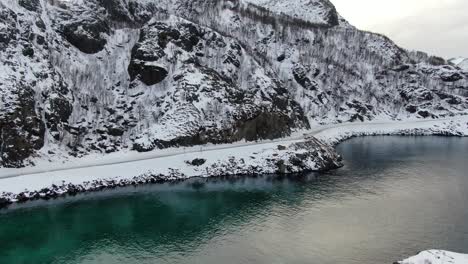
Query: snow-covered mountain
point(106, 75)
point(462, 63)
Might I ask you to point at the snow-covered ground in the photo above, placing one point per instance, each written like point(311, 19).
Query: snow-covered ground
point(457, 126)
point(89, 169)
point(461, 62)
point(238, 158)
point(313, 11)
point(436, 257)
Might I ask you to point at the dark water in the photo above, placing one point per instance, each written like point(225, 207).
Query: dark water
point(395, 197)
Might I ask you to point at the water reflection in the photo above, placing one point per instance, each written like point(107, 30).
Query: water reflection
point(395, 196)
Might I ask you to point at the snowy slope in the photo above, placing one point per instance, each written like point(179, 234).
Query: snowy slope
point(436, 257)
point(103, 76)
point(461, 62)
point(314, 11)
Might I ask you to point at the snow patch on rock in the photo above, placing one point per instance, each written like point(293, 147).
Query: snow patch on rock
point(436, 257)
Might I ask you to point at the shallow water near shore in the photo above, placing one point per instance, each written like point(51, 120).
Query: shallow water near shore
point(394, 197)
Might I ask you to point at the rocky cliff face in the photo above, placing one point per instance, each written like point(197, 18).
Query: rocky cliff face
point(105, 75)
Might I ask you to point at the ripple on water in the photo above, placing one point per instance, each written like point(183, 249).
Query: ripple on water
point(394, 197)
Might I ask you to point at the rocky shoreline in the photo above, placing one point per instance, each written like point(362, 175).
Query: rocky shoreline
point(448, 128)
point(306, 156)
point(315, 153)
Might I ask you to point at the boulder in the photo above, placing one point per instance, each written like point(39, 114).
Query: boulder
point(146, 72)
point(87, 35)
point(451, 77)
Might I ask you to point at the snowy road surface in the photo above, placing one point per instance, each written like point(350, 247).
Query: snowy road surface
point(129, 164)
point(326, 133)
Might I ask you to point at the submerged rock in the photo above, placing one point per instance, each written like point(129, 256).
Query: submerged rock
point(4, 202)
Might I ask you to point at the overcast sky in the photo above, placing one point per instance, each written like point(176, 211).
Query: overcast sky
point(439, 27)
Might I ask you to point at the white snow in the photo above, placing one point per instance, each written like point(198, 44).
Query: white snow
point(308, 10)
point(346, 63)
point(437, 257)
point(461, 62)
point(450, 126)
point(127, 165)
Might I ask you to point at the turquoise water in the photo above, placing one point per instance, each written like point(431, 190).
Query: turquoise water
point(394, 197)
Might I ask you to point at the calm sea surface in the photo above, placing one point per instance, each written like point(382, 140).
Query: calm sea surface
point(394, 197)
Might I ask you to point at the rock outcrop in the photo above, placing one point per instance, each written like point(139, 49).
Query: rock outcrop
point(101, 76)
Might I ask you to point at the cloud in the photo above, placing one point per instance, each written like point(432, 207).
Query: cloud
point(438, 27)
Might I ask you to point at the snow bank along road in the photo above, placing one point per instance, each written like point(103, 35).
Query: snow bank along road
point(327, 133)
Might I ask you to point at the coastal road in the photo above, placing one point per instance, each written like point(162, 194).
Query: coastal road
point(128, 157)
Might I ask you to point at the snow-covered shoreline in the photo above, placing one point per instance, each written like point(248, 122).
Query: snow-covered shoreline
point(457, 126)
point(291, 155)
point(436, 257)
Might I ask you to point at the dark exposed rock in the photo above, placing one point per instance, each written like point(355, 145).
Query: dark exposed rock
point(359, 107)
point(116, 10)
point(281, 57)
point(250, 122)
point(282, 169)
point(186, 36)
point(4, 202)
point(143, 148)
point(31, 5)
point(198, 162)
point(426, 96)
point(40, 23)
point(436, 61)
point(190, 36)
point(166, 34)
point(401, 68)
point(115, 131)
point(356, 117)
point(40, 40)
point(147, 73)
point(8, 32)
point(60, 109)
point(281, 147)
point(300, 75)
point(412, 109)
point(405, 95)
point(424, 113)
point(417, 94)
point(266, 125)
point(332, 17)
point(454, 100)
point(231, 58)
point(28, 51)
point(22, 131)
point(142, 54)
point(111, 110)
point(320, 153)
point(87, 35)
point(451, 77)
point(226, 81)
